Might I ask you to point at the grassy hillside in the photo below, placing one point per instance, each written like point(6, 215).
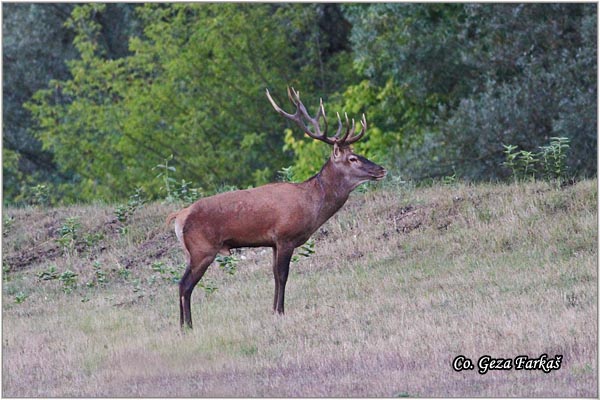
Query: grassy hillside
point(402, 282)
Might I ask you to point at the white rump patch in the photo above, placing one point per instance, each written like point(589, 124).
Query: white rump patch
point(179, 232)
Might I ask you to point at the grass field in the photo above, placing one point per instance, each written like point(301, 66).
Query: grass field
point(403, 281)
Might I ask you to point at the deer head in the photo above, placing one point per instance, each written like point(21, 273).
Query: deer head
point(353, 168)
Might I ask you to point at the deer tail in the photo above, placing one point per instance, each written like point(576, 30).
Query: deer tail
point(171, 217)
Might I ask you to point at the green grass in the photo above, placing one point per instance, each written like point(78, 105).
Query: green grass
point(403, 280)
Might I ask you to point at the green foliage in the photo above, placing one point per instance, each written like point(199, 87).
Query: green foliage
point(186, 193)
point(48, 274)
point(35, 45)
point(40, 195)
point(124, 211)
point(208, 286)
point(306, 250)
point(101, 277)
point(7, 224)
point(68, 278)
point(136, 200)
point(309, 156)
point(525, 99)
point(227, 263)
point(226, 188)
point(11, 175)
point(91, 239)
point(554, 158)
point(286, 174)
point(169, 273)
point(418, 46)
point(174, 190)
point(526, 163)
point(68, 234)
point(192, 87)
point(511, 158)
point(6, 272)
point(548, 163)
point(167, 180)
point(449, 179)
point(493, 74)
point(389, 134)
point(124, 273)
point(37, 195)
point(177, 90)
point(20, 297)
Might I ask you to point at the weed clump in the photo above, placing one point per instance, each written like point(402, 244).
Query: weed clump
point(549, 163)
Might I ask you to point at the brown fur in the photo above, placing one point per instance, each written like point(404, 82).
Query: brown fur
point(282, 216)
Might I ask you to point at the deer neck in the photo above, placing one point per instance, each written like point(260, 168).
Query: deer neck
point(332, 190)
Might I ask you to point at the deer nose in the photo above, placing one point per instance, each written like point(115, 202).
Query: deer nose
point(382, 173)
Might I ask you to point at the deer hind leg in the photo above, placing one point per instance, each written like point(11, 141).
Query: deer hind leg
point(281, 267)
point(197, 266)
point(276, 276)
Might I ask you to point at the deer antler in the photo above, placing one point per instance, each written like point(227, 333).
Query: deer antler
point(349, 136)
point(301, 114)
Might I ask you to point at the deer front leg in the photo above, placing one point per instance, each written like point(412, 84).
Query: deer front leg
point(281, 266)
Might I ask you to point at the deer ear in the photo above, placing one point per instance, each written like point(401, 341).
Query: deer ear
point(337, 153)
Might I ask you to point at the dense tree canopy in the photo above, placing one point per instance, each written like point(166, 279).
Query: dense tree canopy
point(485, 75)
point(175, 92)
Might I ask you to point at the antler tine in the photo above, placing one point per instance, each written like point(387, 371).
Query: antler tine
point(276, 107)
point(293, 96)
point(301, 114)
point(339, 129)
point(348, 130)
point(356, 138)
point(296, 117)
point(301, 111)
point(321, 113)
point(300, 108)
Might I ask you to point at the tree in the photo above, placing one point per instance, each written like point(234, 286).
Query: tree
point(479, 76)
point(192, 87)
point(34, 49)
point(539, 64)
point(36, 46)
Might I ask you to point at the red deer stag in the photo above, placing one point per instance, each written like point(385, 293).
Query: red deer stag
point(282, 216)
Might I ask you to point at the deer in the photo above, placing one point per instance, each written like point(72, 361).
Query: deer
point(280, 215)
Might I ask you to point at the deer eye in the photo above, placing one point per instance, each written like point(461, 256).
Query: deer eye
point(353, 159)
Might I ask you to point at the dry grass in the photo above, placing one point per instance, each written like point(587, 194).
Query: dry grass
point(403, 280)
